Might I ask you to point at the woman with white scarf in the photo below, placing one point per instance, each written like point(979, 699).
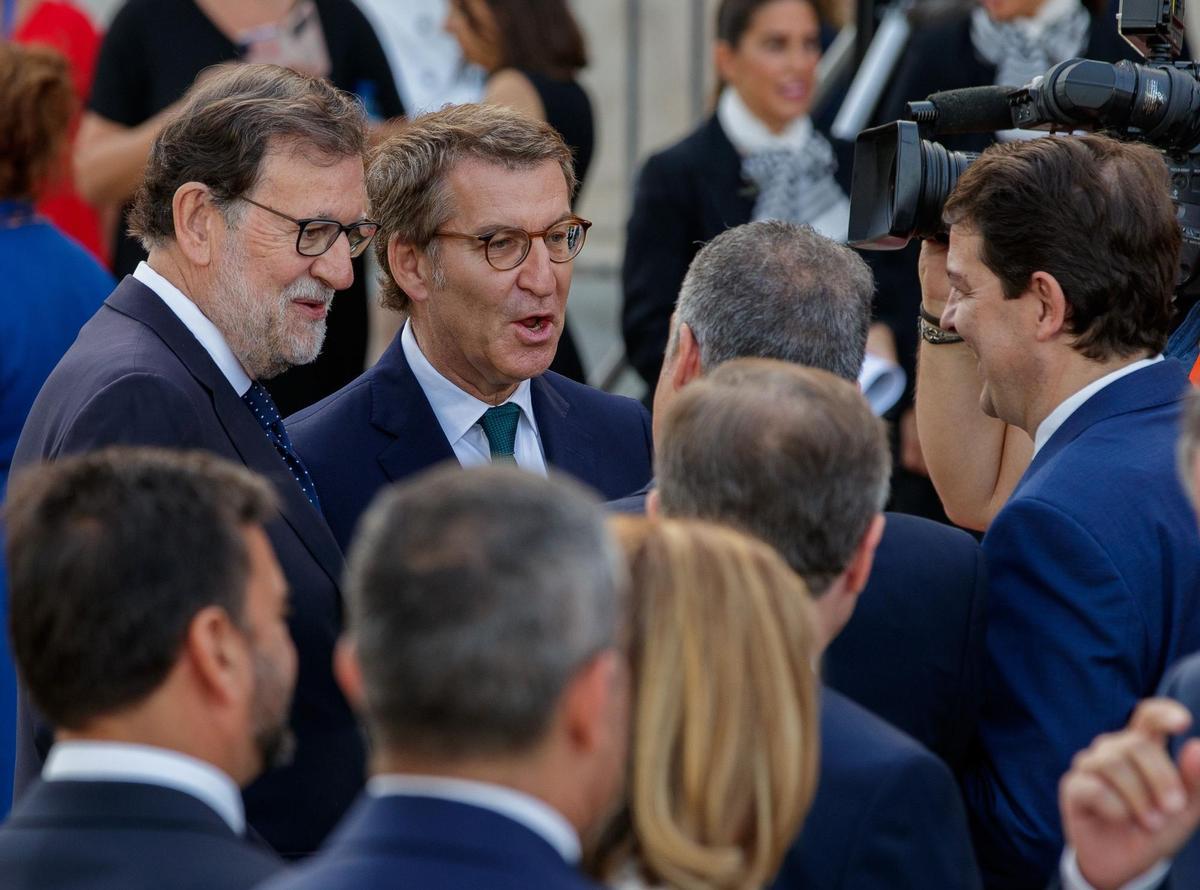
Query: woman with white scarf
point(758, 157)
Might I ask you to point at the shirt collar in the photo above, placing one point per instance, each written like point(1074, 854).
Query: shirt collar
point(750, 135)
point(91, 761)
point(199, 324)
point(1071, 404)
point(536, 815)
point(456, 410)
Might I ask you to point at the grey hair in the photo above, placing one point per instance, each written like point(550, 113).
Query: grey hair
point(473, 597)
point(777, 290)
point(789, 454)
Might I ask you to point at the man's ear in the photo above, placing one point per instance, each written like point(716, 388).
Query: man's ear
point(686, 367)
point(1051, 305)
point(859, 569)
point(347, 670)
point(653, 504)
point(217, 653)
point(196, 216)
point(723, 55)
point(409, 268)
point(587, 702)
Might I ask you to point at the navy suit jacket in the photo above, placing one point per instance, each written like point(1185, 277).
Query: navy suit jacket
point(432, 844)
point(887, 815)
point(912, 653)
point(381, 428)
point(1094, 568)
point(1183, 685)
point(136, 375)
point(71, 835)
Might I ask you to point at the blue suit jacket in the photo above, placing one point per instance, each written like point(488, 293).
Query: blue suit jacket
point(124, 836)
point(380, 428)
point(1183, 685)
point(136, 375)
point(1094, 568)
point(887, 815)
point(912, 653)
point(432, 844)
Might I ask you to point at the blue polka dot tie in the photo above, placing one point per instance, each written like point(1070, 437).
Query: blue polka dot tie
point(262, 406)
point(500, 426)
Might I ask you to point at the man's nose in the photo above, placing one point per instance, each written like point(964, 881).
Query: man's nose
point(333, 267)
point(536, 271)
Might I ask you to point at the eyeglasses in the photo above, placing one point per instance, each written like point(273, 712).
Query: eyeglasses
point(507, 248)
point(317, 235)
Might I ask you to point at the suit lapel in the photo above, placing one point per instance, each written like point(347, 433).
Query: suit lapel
point(137, 301)
point(401, 409)
point(1150, 387)
point(566, 444)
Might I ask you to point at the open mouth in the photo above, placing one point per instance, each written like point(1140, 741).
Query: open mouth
point(536, 323)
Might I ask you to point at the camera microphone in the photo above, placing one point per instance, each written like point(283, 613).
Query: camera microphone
point(970, 110)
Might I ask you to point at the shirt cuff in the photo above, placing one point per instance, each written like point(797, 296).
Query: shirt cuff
point(1072, 877)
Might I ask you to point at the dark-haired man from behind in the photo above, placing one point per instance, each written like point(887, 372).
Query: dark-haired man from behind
point(887, 814)
point(149, 623)
point(483, 647)
point(912, 652)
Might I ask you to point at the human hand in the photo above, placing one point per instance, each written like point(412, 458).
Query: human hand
point(931, 269)
point(1124, 804)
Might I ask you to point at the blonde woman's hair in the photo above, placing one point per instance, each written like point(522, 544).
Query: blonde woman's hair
point(723, 760)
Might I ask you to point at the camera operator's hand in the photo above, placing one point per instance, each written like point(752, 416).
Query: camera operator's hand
point(1125, 805)
point(935, 286)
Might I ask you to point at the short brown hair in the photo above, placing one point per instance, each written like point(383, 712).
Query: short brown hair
point(36, 104)
point(1093, 212)
point(535, 35)
point(407, 178)
point(789, 454)
point(231, 118)
point(111, 555)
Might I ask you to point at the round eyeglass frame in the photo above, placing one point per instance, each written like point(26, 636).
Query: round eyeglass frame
point(584, 224)
point(356, 249)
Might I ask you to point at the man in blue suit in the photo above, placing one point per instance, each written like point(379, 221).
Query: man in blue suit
point(912, 652)
point(1131, 802)
point(252, 205)
point(1062, 262)
point(485, 609)
point(477, 240)
point(795, 457)
point(167, 676)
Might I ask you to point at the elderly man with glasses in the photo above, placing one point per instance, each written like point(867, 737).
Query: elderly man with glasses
point(247, 195)
point(477, 237)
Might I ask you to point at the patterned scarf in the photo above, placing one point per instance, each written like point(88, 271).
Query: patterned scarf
point(1025, 48)
point(792, 171)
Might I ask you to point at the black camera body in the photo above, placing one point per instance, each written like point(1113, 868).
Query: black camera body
point(901, 179)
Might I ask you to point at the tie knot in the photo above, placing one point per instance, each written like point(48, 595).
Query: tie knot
point(500, 426)
point(259, 401)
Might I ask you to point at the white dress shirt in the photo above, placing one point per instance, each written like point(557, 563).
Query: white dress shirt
point(87, 761)
point(1073, 879)
point(198, 323)
point(1071, 404)
point(525, 809)
point(458, 412)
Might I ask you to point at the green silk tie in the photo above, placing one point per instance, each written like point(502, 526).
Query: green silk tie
point(500, 426)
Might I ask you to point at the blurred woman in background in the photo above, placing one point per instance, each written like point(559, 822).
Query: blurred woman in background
point(723, 753)
point(758, 157)
point(532, 51)
point(67, 29)
point(51, 285)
